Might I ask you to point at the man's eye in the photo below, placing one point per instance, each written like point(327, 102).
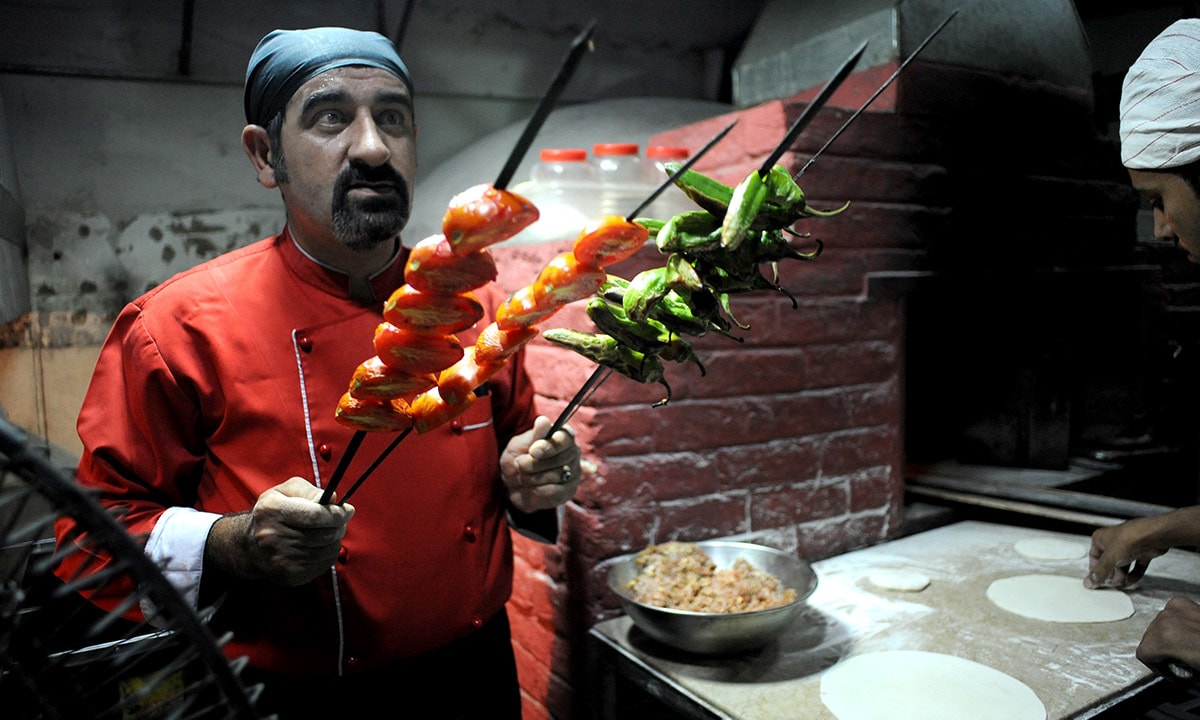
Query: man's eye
point(330, 117)
point(393, 118)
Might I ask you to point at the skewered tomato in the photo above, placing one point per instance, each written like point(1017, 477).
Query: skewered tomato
point(373, 415)
point(436, 313)
point(521, 310)
point(608, 239)
point(415, 353)
point(433, 267)
point(461, 379)
point(429, 410)
point(482, 215)
point(495, 344)
point(374, 379)
point(564, 279)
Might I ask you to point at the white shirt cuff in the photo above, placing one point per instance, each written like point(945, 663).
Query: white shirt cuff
point(176, 545)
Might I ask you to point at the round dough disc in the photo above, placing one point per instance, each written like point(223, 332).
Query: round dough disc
point(903, 580)
point(1059, 598)
point(1049, 548)
point(918, 685)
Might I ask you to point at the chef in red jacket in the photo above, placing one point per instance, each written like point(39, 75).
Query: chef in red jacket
point(209, 425)
point(1160, 147)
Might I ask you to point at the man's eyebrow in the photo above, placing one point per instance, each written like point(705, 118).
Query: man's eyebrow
point(394, 97)
point(324, 97)
point(337, 96)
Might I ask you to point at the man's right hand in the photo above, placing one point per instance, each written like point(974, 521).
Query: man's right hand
point(1120, 554)
point(288, 538)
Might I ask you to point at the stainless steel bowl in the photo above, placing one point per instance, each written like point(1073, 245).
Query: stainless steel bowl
point(719, 633)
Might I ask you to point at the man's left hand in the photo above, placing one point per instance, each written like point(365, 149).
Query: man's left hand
point(541, 472)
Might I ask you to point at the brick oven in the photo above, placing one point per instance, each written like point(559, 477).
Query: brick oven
point(983, 300)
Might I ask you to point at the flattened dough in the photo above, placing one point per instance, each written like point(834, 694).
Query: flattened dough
point(918, 685)
point(1059, 598)
point(1051, 548)
point(903, 580)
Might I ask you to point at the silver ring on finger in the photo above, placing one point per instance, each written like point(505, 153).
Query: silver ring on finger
point(565, 474)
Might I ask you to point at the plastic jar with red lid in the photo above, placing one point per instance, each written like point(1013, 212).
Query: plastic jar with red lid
point(672, 201)
point(562, 165)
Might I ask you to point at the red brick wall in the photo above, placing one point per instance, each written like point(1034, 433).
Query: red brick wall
point(794, 437)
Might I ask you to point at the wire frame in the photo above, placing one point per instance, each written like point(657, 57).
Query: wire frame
point(62, 656)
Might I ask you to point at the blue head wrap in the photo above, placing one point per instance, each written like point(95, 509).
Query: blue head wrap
point(286, 59)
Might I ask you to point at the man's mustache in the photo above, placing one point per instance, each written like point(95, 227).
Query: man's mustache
point(360, 174)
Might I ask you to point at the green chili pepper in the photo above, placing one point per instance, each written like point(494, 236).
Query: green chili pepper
point(744, 204)
point(693, 231)
point(780, 207)
point(605, 350)
point(682, 312)
point(652, 225)
point(644, 290)
point(709, 194)
point(773, 245)
point(650, 336)
point(681, 274)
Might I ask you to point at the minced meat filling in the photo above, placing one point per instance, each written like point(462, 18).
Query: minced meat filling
point(681, 576)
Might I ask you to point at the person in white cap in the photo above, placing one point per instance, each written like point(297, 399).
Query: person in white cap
point(1160, 132)
point(1160, 147)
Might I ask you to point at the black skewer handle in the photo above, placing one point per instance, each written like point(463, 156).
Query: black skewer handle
point(344, 463)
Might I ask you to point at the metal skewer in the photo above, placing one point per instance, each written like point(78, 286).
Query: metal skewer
point(811, 111)
point(597, 378)
point(678, 173)
point(876, 94)
point(344, 463)
point(379, 460)
point(565, 71)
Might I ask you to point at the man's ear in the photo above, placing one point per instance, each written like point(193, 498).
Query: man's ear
point(258, 149)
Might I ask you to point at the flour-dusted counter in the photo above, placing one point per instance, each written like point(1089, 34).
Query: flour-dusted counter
point(1076, 669)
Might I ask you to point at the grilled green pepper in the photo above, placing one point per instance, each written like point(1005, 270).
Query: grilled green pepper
point(649, 336)
point(605, 350)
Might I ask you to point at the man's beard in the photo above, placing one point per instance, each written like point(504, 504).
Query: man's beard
point(365, 224)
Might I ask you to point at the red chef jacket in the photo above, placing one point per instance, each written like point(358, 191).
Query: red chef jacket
point(223, 382)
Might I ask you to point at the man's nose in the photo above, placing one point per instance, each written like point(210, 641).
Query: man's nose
point(367, 144)
point(1162, 227)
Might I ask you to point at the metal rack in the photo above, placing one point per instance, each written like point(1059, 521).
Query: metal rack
point(63, 657)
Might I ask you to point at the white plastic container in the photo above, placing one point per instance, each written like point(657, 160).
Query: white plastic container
point(619, 173)
point(672, 201)
point(618, 163)
point(562, 165)
point(563, 186)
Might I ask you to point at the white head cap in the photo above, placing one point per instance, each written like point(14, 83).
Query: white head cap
point(1160, 101)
